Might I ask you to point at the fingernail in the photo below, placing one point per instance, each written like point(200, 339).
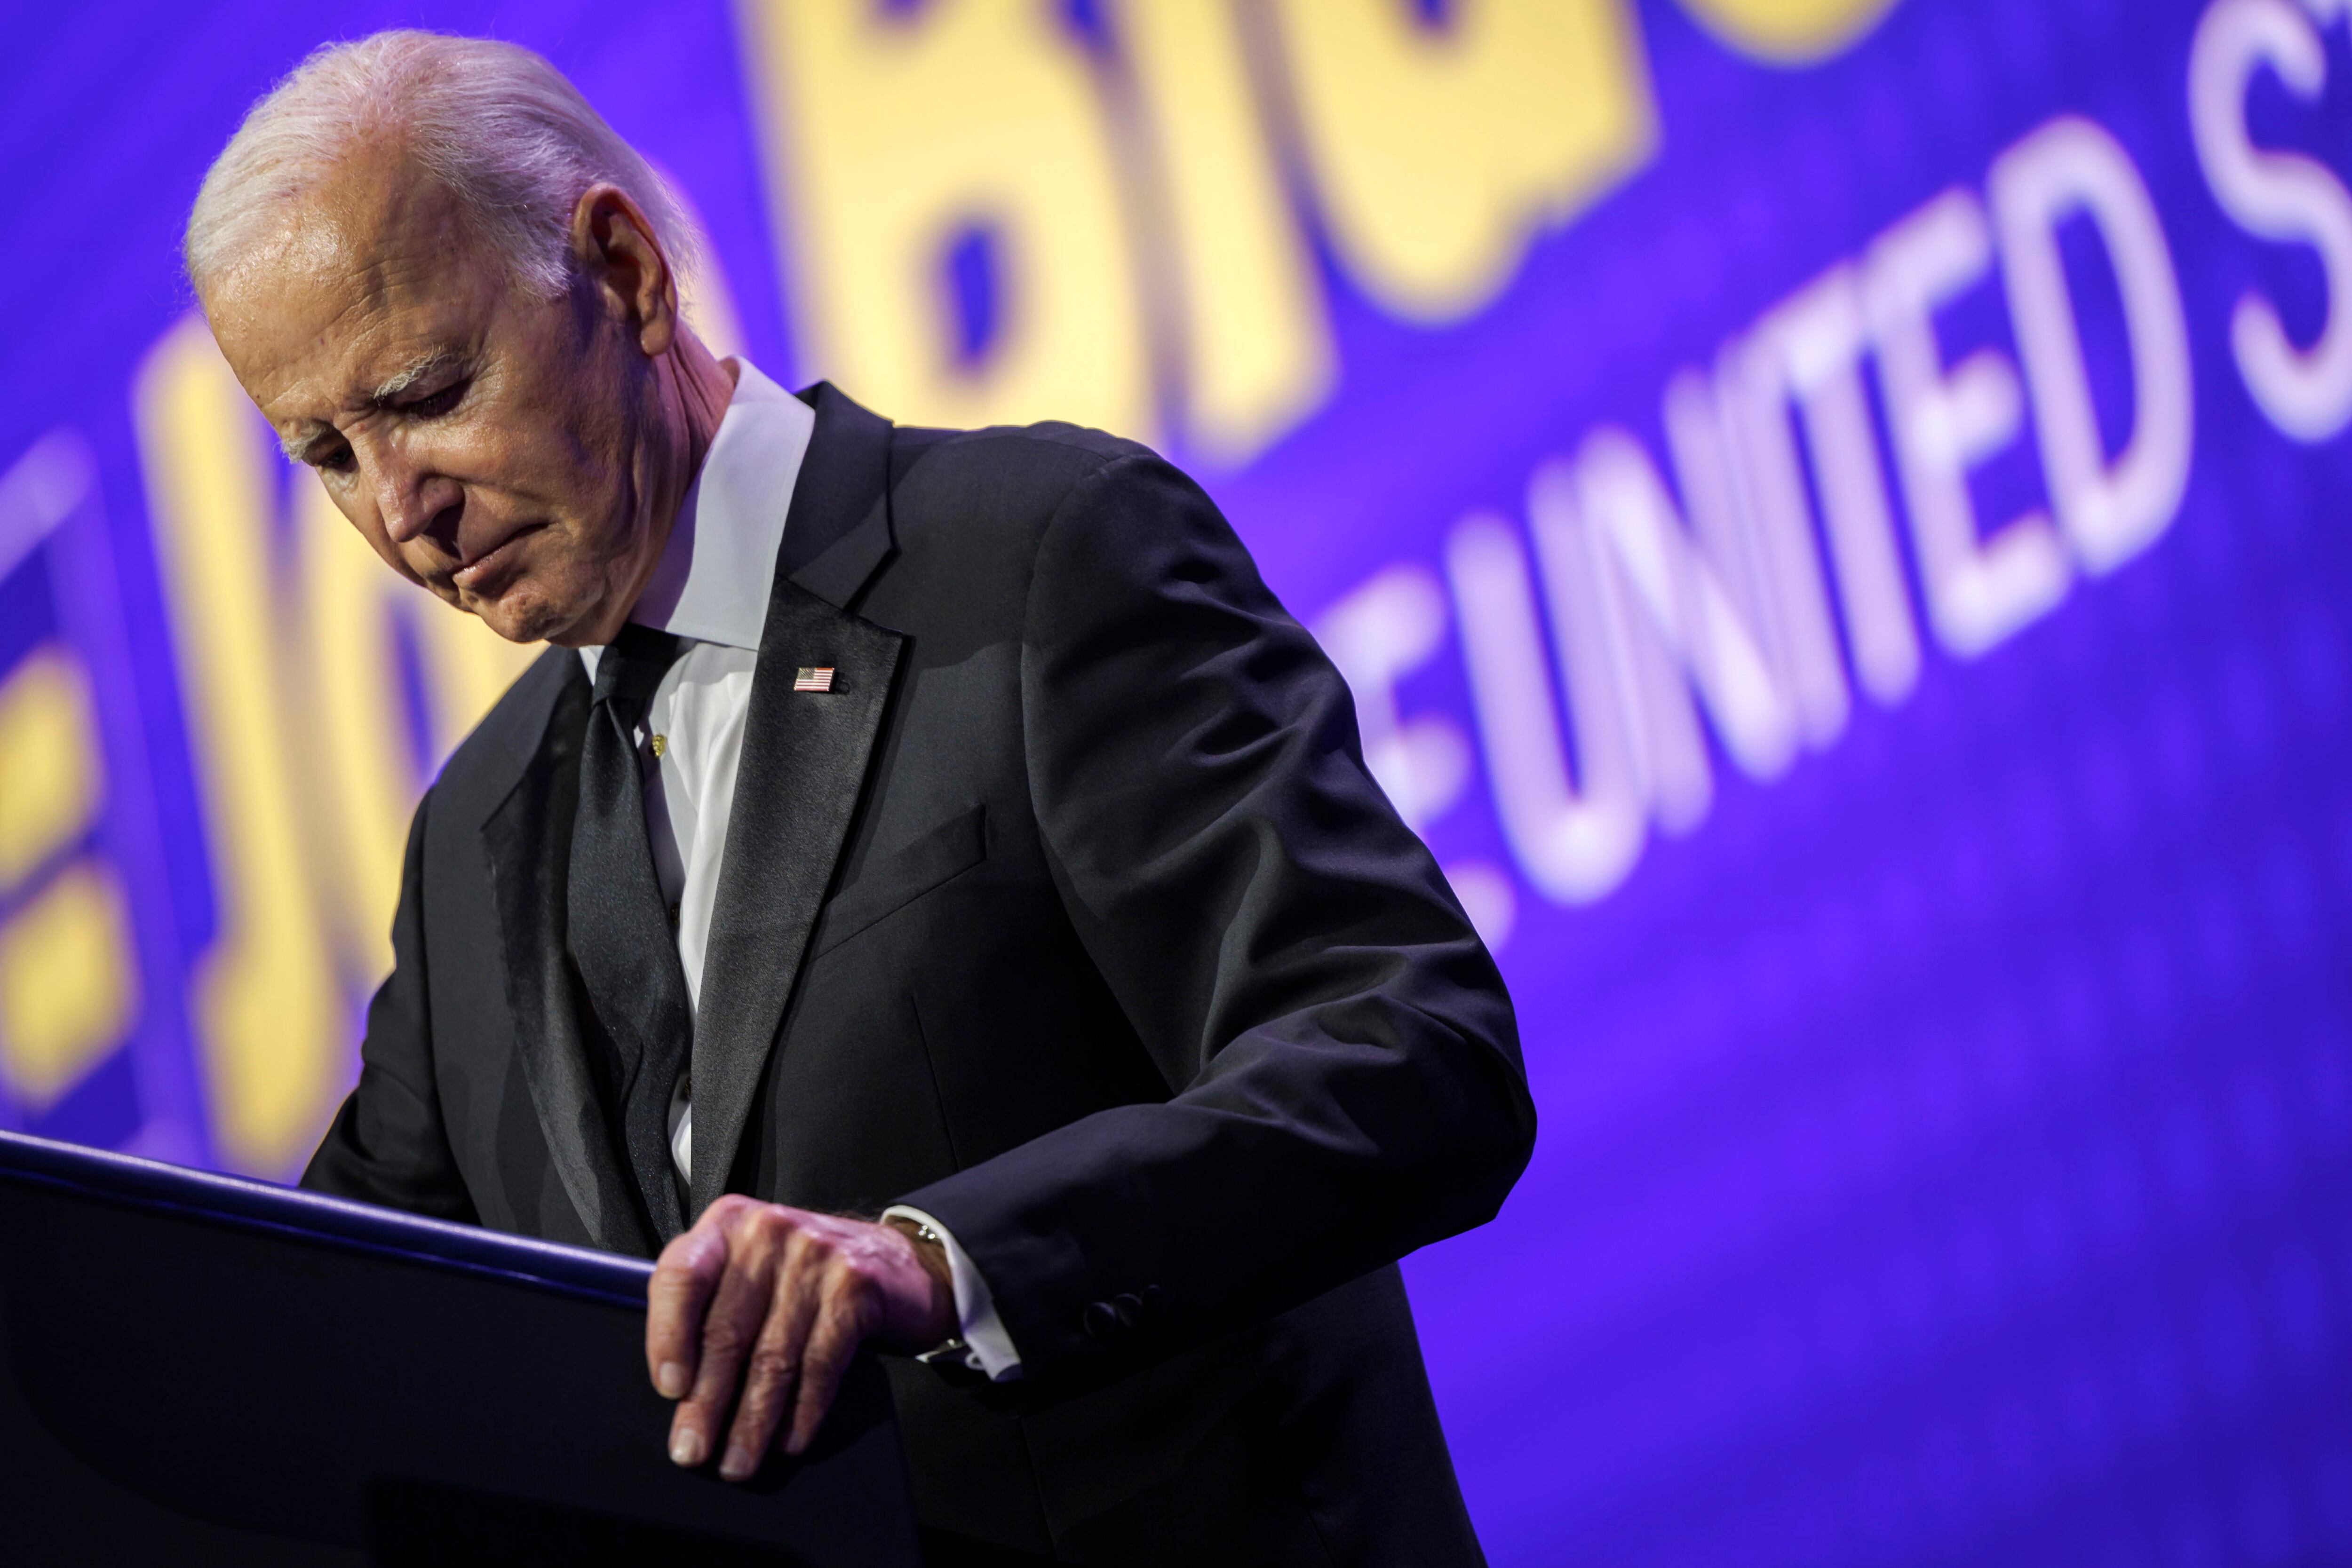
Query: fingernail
point(736, 1465)
point(794, 1444)
point(672, 1380)
point(686, 1449)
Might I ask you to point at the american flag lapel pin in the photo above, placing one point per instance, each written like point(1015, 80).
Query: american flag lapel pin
point(812, 678)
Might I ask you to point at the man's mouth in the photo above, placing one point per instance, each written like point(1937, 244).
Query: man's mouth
point(486, 575)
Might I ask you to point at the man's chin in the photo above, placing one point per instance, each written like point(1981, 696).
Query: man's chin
point(519, 614)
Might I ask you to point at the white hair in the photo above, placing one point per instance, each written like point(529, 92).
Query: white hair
point(503, 131)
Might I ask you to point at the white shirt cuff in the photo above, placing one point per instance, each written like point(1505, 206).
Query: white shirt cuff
point(988, 1348)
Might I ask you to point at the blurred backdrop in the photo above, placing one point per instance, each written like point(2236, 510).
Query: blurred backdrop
point(1834, 514)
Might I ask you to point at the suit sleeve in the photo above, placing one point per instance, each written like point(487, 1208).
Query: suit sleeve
point(1344, 1064)
point(387, 1144)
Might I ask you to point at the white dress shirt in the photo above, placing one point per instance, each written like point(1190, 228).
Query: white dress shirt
point(711, 588)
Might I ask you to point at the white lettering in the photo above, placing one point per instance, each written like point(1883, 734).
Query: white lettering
point(1574, 844)
point(1946, 422)
point(1751, 396)
point(1674, 629)
point(1820, 337)
point(2110, 510)
point(1657, 610)
point(2305, 392)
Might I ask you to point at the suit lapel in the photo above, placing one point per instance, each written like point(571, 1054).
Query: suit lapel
point(527, 843)
point(803, 766)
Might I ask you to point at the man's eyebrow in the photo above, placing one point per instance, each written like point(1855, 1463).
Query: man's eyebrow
point(415, 370)
point(301, 448)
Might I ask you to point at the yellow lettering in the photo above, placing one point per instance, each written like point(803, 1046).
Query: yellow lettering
point(356, 697)
point(709, 305)
point(1440, 151)
point(946, 197)
point(265, 1005)
point(68, 988)
point(1256, 343)
point(51, 789)
point(467, 668)
point(1789, 32)
point(365, 773)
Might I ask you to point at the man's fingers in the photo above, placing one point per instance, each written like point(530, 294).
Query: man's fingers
point(736, 1310)
point(683, 1280)
point(759, 1309)
point(773, 1371)
point(851, 1308)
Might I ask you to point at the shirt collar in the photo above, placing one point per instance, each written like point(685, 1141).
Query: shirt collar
point(718, 569)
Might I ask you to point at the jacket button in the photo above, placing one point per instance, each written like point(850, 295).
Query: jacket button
point(1102, 1322)
point(1130, 1309)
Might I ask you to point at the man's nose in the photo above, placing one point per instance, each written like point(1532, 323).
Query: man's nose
point(411, 497)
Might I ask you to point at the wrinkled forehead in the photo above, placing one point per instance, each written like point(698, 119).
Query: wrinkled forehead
point(373, 263)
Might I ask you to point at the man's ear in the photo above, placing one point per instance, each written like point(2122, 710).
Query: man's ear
point(614, 248)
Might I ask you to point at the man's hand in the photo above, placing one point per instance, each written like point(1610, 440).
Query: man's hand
point(778, 1300)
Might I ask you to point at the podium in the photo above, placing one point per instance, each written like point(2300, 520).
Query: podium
point(196, 1368)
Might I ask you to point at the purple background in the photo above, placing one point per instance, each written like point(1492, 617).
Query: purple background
point(1946, 1152)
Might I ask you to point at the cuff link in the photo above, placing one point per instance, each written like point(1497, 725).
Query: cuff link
point(953, 1354)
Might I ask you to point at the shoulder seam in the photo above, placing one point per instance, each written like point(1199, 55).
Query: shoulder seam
point(1030, 432)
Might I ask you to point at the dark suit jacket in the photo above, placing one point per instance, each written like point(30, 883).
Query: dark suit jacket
point(1071, 916)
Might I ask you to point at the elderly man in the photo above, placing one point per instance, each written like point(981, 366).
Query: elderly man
point(929, 892)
